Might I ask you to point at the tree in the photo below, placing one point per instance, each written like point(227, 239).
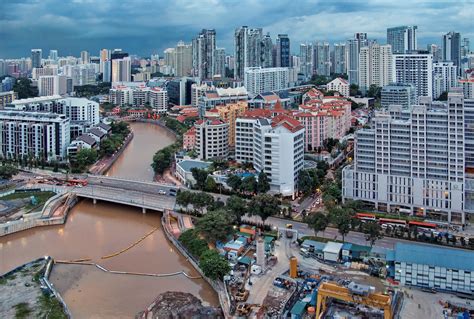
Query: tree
point(213, 265)
point(307, 181)
point(318, 222)
point(24, 88)
point(234, 182)
point(237, 207)
point(214, 226)
point(263, 184)
point(372, 231)
point(200, 176)
point(86, 157)
point(210, 185)
point(443, 96)
point(330, 143)
point(374, 91)
point(342, 219)
point(249, 184)
point(184, 198)
point(195, 245)
point(202, 200)
point(354, 90)
point(264, 205)
point(8, 171)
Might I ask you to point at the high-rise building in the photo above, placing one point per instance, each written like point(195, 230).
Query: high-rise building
point(184, 59)
point(306, 60)
point(220, 62)
point(416, 69)
point(212, 138)
point(170, 59)
point(323, 58)
point(452, 49)
point(267, 51)
point(85, 57)
point(118, 54)
point(274, 146)
point(81, 74)
point(375, 66)
point(104, 56)
point(413, 160)
point(444, 78)
point(229, 114)
point(53, 85)
point(107, 75)
point(36, 57)
point(247, 44)
point(353, 48)
point(398, 94)
point(283, 51)
point(49, 70)
point(339, 59)
point(258, 80)
point(465, 47)
point(53, 55)
point(402, 39)
point(436, 51)
point(121, 70)
point(204, 46)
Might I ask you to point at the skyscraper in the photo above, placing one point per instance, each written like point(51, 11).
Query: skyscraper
point(322, 58)
point(283, 51)
point(220, 62)
point(452, 49)
point(353, 48)
point(184, 59)
point(375, 66)
point(436, 51)
point(85, 57)
point(306, 59)
point(104, 56)
point(121, 70)
point(53, 55)
point(444, 77)
point(267, 51)
point(416, 69)
point(465, 47)
point(339, 58)
point(248, 49)
point(204, 46)
point(36, 57)
point(402, 39)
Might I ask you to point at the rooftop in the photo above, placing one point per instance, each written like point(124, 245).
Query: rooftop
point(187, 165)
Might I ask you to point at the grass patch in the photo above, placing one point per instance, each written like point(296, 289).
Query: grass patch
point(22, 310)
point(50, 307)
point(41, 197)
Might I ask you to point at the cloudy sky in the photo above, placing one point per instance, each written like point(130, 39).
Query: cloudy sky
point(149, 26)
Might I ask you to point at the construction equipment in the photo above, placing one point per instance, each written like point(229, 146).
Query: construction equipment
point(244, 309)
point(293, 267)
point(289, 232)
point(333, 290)
point(242, 296)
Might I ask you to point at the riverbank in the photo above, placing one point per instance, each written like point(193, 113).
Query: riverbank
point(27, 293)
point(103, 165)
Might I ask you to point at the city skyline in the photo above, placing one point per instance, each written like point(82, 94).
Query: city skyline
point(72, 27)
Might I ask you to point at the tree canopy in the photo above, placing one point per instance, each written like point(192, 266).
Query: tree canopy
point(24, 88)
point(213, 265)
point(372, 231)
point(7, 171)
point(264, 205)
point(318, 222)
point(214, 226)
point(263, 184)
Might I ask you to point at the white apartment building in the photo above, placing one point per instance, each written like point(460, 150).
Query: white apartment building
point(158, 99)
point(444, 77)
point(212, 139)
point(52, 85)
point(375, 66)
point(40, 134)
point(467, 87)
point(139, 96)
point(259, 80)
point(49, 70)
point(416, 69)
point(398, 94)
point(81, 74)
point(412, 159)
point(340, 85)
point(122, 70)
point(274, 146)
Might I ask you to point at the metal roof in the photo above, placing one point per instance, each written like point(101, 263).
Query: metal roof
point(187, 165)
point(332, 247)
point(299, 308)
point(450, 258)
point(316, 244)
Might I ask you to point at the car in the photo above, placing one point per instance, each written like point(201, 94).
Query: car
point(162, 192)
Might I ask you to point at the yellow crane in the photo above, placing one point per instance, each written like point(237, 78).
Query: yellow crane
point(333, 290)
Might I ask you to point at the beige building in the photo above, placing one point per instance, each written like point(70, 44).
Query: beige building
point(7, 97)
point(229, 113)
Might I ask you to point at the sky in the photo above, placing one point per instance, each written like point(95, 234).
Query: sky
point(145, 27)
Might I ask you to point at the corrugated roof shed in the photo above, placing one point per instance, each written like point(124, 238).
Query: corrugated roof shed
point(316, 244)
point(299, 308)
point(450, 258)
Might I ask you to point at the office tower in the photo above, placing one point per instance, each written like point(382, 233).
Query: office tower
point(322, 58)
point(248, 45)
point(375, 66)
point(398, 94)
point(121, 70)
point(259, 80)
point(267, 51)
point(36, 57)
point(452, 49)
point(49, 70)
point(283, 51)
point(306, 60)
point(412, 159)
point(184, 59)
point(212, 139)
point(220, 62)
point(353, 48)
point(53, 55)
point(118, 54)
point(436, 51)
point(465, 47)
point(81, 74)
point(85, 58)
point(444, 77)
point(104, 56)
point(274, 146)
point(170, 60)
point(107, 75)
point(402, 39)
point(339, 58)
point(204, 46)
point(230, 62)
point(3, 67)
point(416, 69)
point(52, 85)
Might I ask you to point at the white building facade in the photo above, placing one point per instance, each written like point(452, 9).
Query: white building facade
point(416, 69)
point(259, 80)
point(212, 139)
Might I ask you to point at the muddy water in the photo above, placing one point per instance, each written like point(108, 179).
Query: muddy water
point(93, 231)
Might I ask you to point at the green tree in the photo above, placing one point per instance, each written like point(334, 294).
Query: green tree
point(184, 198)
point(318, 222)
point(305, 182)
point(372, 231)
point(374, 91)
point(263, 184)
point(354, 90)
point(264, 205)
point(195, 245)
point(443, 96)
point(214, 226)
point(86, 157)
point(342, 220)
point(200, 176)
point(202, 200)
point(210, 185)
point(237, 207)
point(249, 184)
point(213, 265)
point(8, 171)
point(234, 182)
point(24, 88)
point(330, 143)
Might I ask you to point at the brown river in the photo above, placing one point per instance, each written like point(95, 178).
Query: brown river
point(93, 231)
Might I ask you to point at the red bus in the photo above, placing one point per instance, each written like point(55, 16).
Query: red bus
point(422, 225)
point(76, 182)
point(366, 217)
point(392, 222)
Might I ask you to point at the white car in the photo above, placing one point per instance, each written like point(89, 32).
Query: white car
point(162, 192)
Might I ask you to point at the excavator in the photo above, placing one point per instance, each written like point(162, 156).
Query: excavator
point(367, 297)
point(242, 295)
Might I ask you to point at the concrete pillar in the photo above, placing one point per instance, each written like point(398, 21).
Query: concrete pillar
point(449, 217)
point(94, 201)
point(143, 210)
